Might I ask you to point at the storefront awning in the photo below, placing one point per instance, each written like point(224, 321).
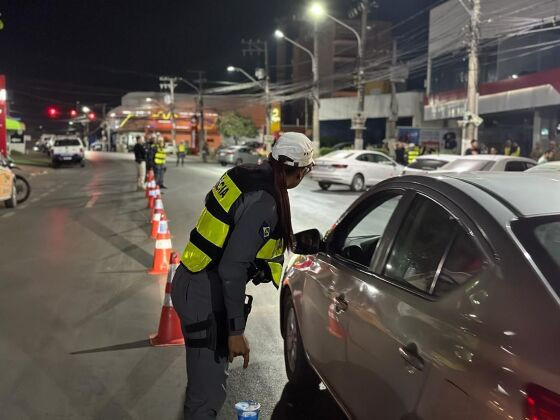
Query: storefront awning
point(14, 125)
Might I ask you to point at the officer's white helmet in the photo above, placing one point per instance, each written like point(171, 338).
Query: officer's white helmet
point(293, 149)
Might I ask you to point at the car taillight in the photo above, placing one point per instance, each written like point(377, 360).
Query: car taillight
point(542, 404)
point(339, 166)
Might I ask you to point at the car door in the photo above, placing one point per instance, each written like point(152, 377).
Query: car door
point(385, 167)
point(361, 165)
point(396, 330)
point(328, 281)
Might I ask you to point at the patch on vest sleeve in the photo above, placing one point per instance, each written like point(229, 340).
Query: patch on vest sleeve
point(265, 230)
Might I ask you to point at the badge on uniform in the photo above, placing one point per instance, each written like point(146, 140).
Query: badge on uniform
point(265, 230)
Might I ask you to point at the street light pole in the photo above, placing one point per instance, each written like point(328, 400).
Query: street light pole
point(470, 128)
point(315, 91)
point(170, 83)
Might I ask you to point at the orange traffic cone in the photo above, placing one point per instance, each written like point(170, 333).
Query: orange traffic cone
point(158, 205)
point(169, 331)
point(153, 195)
point(162, 249)
point(156, 218)
point(150, 175)
point(150, 185)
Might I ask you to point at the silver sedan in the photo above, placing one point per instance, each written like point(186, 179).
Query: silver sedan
point(238, 155)
point(433, 297)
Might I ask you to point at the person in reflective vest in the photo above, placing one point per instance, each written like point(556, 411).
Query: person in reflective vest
point(241, 236)
point(413, 153)
point(181, 152)
point(159, 163)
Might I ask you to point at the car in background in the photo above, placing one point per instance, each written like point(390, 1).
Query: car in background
point(67, 149)
point(410, 306)
point(168, 148)
point(491, 163)
point(545, 167)
point(426, 163)
point(357, 169)
point(8, 190)
point(238, 155)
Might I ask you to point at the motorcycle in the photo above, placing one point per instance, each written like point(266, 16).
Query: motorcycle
point(23, 188)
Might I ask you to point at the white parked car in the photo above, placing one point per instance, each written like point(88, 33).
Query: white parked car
point(355, 168)
point(428, 163)
point(67, 149)
point(492, 163)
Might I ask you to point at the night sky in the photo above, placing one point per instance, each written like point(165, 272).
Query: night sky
point(56, 52)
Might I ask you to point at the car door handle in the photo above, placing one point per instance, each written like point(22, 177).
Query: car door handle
point(410, 354)
point(341, 303)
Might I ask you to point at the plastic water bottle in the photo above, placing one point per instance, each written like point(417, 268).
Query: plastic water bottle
point(248, 410)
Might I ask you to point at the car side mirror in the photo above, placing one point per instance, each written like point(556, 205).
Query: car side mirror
point(308, 242)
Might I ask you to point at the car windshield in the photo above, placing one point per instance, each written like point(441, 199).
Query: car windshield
point(427, 164)
point(546, 167)
point(67, 142)
point(464, 165)
point(541, 238)
point(341, 154)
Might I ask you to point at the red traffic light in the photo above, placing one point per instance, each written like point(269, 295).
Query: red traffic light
point(91, 115)
point(73, 113)
point(53, 112)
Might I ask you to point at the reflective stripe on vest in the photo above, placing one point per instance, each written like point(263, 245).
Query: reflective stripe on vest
point(412, 155)
point(160, 156)
point(214, 225)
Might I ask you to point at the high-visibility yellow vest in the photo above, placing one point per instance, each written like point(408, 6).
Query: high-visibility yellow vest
point(209, 238)
point(181, 148)
point(160, 156)
point(508, 151)
point(413, 154)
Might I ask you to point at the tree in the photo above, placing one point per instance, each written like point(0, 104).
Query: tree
point(231, 124)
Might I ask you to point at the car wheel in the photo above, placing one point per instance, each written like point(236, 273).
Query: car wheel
point(23, 189)
point(357, 183)
point(239, 162)
point(298, 370)
point(12, 201)
point(324, 185)
point(54, 164)
point(82, 164)
point(223, 163)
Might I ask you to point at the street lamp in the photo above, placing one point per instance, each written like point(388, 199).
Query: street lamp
point(265, 86)
point(85, 109)
point(315, 93)
point(317, 11)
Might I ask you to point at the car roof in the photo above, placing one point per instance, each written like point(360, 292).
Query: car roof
point(496, 158)
point(546, 167)
point(447, 158)
point(526, 194)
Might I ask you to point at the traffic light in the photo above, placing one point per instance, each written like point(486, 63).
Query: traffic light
point(91, 115)
point(53, 112)
point(73, 113)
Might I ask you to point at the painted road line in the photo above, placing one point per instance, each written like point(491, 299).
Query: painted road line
point(22, 206)
point(92, 200)
point(34, 200)
point(8, 214)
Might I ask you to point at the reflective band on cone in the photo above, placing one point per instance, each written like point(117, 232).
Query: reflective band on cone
point(162, 251)
point(169, 331)
point(155, 223)
point(158, 205)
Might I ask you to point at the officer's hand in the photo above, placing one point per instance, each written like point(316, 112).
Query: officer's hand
point(239, 346)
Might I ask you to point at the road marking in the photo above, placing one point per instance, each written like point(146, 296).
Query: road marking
point(44, 194)
point(92, 200)
point(34, 200)
point(23, 206)
point(8, 214)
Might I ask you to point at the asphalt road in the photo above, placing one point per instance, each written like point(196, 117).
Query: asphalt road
point(77, 305)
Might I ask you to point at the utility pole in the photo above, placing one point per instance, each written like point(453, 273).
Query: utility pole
point(470, 129)
point(359, 121)
point(316, 91)
point(259, 47)
point(170, 83)
point(202, 134)
point(394, 107)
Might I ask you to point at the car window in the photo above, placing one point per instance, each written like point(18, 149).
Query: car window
point(365, 157)
point(427, 164)
point(516, 166)
point(380, 159)
point(464, 261)
point(464, 165)
point(67, 142)
point(341, 154)
point(361, 241)
point(420, 244)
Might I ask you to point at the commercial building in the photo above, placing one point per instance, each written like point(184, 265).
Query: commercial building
point(147, 113)
point(519, 73)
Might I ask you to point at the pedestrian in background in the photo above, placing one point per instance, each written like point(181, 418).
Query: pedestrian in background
point(181, 152)
point(547, 156)
point(400, 154)
point(241, 235)
point(474, 149)
point(140, 158)
point(493, 151)
point(159, 163)
point(150, 152)
point(512, 148)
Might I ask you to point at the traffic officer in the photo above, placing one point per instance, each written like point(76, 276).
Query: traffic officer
point(159, 162)
point(241, 235)
point(413, 153)
point(181, 152)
